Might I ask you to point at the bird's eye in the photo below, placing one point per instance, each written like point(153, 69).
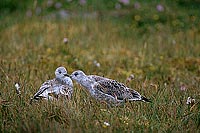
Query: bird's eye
point(75, 73)
point(59, 72)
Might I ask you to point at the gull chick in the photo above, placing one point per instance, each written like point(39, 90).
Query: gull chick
point(61, 85)
point(107, 90)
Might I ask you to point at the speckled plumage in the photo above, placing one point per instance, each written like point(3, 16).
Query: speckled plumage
point(105, 89)
point(59, 86)
point(96, 78)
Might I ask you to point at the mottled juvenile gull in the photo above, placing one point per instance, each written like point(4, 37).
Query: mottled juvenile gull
point(107, 90)
point(61, 85)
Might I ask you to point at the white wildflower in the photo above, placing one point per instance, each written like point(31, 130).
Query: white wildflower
point(58, 5)
point(49, 3)
point(118, 6)
point(97, 64)
point(17, 88)
point(106, 124)
point(69, 0)
point(165, 84)
point(190, 101)
point(38, 10)
point(183, 87)
point(174, 42)
point(131, 77)
point(29, 13)
point(65, 40)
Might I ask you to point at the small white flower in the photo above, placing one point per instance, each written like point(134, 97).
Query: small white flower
point(82, 2)
point(137, 5)
point(183, 87)
point(174, 42)
point(38, 10)
point(69, 0)
point(125, 2)
point(190, 101)
point(118, 6)
point(131, 77)
point(65, 40)
point(49, 3)
point(58, 5)
point(106, 124)
point(97, 64)
point(160, 8)
point(165, 84)
point(17, 88)
point(29, 13)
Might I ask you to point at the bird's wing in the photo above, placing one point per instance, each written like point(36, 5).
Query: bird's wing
point(45, 87)
point(66, 90)
point(117, 90)
point(113, 88)
point(96, 78)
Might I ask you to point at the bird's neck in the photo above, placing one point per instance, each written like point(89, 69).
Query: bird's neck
point(88, 84)
point(68, 81)
point(64, 81)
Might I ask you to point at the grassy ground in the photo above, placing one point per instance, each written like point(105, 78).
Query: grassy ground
point(162, 54)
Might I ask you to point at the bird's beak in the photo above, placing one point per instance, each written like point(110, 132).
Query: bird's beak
point(67, 75)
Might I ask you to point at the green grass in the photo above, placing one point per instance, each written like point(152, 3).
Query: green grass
point(162, 56)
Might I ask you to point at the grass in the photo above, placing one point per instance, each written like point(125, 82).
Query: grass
point(163, 58)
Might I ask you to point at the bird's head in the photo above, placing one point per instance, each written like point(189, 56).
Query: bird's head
point(61, 72)
point(78, 75)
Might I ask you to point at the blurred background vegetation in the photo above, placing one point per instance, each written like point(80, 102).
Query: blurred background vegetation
point(179, 14)
point(156, 42)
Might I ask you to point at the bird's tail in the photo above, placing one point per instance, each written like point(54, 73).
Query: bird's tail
point(34, 98)
point(138, 97)
point(145, 99)
point(31, 101)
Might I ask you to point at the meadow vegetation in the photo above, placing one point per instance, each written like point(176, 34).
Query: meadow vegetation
point(160, 47)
